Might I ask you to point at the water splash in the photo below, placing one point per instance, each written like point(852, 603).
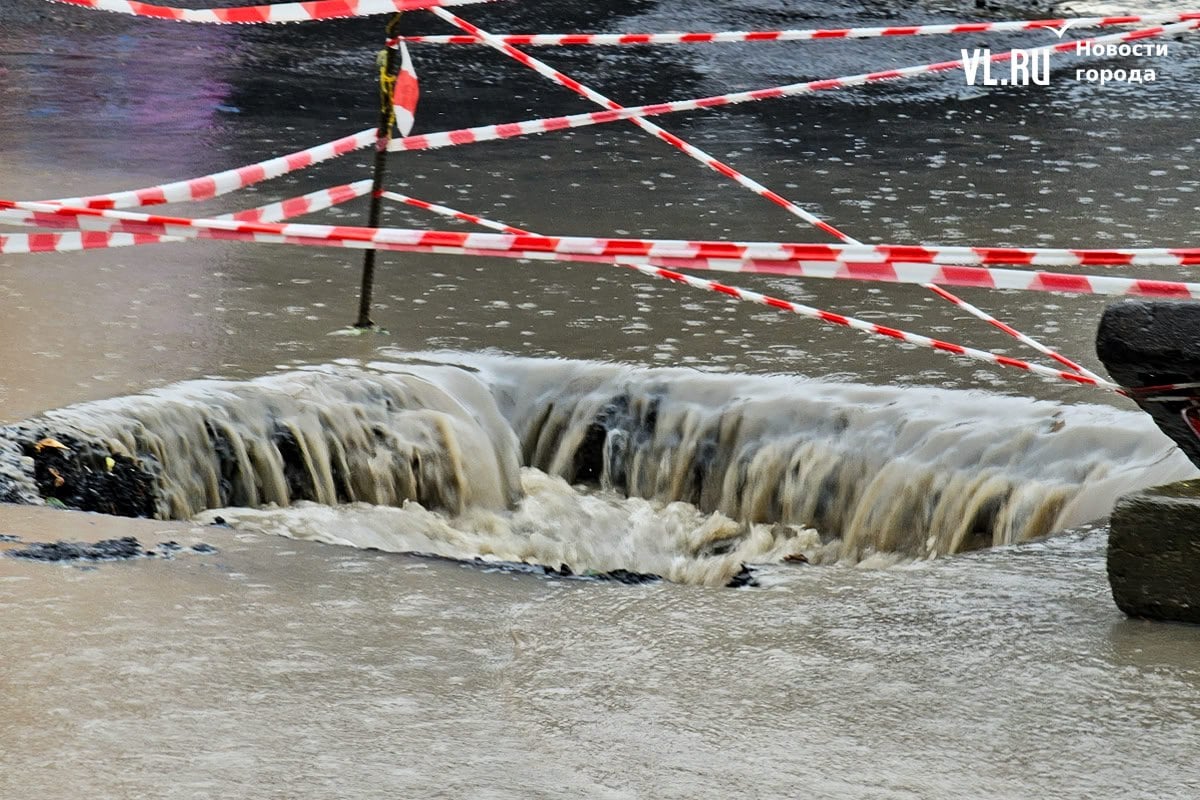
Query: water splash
point(554, 525)
point(663, 462)
point(917, 471)
point(327, 438)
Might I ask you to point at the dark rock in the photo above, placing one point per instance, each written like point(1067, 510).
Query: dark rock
point(126, 547)
point(72, 472)
point(16, 479)
point(1154, 543)
point(744, 578)
point(298, 475)
point(621, 427)
point(627, 577)
point(104, 550)
point(8, 537)
point(1146, 343)
point(564, 571)
point(1154, 553)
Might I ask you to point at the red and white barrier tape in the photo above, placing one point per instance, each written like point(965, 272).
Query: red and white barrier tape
point(1090, 379)
point(867, 255)
point(719, 256)
point(732, 173)
point(97, 240)
point(259, 14)
point(105, 239)
point(74, 241)
point(876, 258)
point(219, 183)
point(1009, 330)
point(304, 204)
point(326, 9)
point(943, 275)
point(406, 93)
point(696, 153)
point(737, 176)
point(1076, 376)
point(809, 34)
point(1161, 393)
point(446, 211)
point(510, 130)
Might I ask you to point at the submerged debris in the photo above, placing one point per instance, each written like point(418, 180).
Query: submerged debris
point(104, 550)
point(745, 577)
point(625, 576)
point(68, 474)
point(126, 547)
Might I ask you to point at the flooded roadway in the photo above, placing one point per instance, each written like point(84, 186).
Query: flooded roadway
point(299, 668)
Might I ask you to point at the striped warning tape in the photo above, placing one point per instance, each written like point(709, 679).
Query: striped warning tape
point(737, 176)
point(924, 273)
point(1077, 375)
point(298, 235)
point(354, 7)
point(1090, 379)
point(778, 259)
point(528, 127)
point(304, 204)
point(259, 14)
point(219, 183)
point(696, 153)
point(869, 256)
point(71, 241)
point(87, 239)
point(1163, 393)
point(1009, 330)
point(446, 211)
point(809, 34)
point(405, 93)
point(865, 260)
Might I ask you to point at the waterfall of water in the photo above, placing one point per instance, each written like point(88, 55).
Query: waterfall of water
point(765, 463)
point(328, 437)
point(918, 471)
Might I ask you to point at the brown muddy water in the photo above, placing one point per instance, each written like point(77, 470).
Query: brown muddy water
point(579, 416)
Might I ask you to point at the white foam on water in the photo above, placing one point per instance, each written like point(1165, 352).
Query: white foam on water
point(553, 525)
point(600, 466)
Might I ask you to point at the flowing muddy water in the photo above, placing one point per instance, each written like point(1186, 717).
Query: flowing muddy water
point(597, 467)
point(298, 668)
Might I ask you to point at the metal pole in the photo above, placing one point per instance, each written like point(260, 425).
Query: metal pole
point(386, 61)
